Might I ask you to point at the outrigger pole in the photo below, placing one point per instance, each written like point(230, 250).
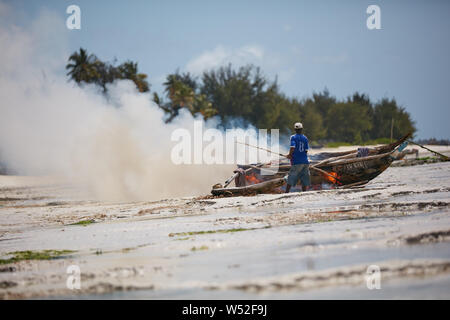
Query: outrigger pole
point(280, 154)
point(435, 152)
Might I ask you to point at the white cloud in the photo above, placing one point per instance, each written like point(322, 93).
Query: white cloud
point(221, 55)
point(273, 64)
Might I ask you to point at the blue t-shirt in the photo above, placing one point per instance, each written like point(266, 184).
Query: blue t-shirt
point(300, 143)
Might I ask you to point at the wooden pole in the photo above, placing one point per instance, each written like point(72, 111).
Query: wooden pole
point(280, 154)
point(346, 156)
point(230, 179)
point(435, 152)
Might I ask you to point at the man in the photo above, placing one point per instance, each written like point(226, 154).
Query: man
point(299, 159)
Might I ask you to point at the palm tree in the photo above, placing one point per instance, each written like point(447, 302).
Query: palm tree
point(141, 82)
point(129, 70)
point(182, 95)
point(179, 93)
point(82, 67)
point(203, 106)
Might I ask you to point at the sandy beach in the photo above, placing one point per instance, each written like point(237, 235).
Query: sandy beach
point(311, 245)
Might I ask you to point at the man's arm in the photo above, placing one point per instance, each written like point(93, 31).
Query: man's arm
point(306, 145)
point(291, 151)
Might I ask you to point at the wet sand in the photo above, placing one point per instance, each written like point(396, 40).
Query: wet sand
point(310, 245)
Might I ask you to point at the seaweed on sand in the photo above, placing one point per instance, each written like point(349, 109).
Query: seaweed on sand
point(83, 222)
point(193, 233)
point(17, 256)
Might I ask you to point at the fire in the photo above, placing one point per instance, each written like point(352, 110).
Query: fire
point(331, 179)
point(252, 179)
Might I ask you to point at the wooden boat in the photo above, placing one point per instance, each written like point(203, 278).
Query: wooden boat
point(340, 171)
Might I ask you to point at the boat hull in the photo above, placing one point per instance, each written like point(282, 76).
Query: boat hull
point(345, 173)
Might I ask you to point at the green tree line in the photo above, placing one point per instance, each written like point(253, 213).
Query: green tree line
point(247, 96)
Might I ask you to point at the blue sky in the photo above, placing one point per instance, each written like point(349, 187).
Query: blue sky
point(309, 45)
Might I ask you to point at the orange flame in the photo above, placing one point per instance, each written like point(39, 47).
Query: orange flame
point(252, 179)
point(331, 179)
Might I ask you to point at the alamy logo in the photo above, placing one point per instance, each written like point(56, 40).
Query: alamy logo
point(373, 277)
point(74, 20)
point(212, 146)
point(374, 20)
point(74, 278)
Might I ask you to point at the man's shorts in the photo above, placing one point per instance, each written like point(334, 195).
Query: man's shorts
point(299, 171)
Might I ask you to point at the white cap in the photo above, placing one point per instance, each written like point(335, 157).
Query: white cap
point(298, 125)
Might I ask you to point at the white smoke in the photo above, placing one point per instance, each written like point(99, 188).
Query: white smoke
point(49, 126)
point(119, 149)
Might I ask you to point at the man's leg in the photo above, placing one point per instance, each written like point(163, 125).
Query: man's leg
point(292, 177)
point(305, 177)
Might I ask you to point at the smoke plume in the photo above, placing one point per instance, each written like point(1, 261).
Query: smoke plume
point(119, 148)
